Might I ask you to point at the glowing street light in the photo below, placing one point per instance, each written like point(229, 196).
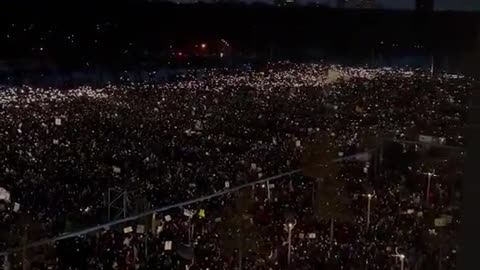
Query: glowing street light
point(290, 225)
point(429, 180)
point(401, 257)
point(203, 45)
point(369, 204)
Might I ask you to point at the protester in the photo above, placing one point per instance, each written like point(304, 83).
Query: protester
point(181, 140)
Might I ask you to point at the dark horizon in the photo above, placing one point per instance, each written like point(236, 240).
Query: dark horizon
point(137, 32)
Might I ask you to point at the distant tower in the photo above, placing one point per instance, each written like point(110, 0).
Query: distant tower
point(424, 5)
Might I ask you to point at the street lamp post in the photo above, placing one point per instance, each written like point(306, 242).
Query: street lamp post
point(369, 206)
point(401, 257)
point(429, 180)
point(190, 239)
point(290, 226)
point(268, 190)
point(369, 196)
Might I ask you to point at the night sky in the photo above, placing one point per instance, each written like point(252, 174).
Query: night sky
point(460, 5)
point(463, 5)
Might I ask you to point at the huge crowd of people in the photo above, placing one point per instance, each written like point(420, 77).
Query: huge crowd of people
point(214, 129)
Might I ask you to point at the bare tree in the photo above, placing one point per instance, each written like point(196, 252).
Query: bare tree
point(238, 231)
point(330, 202)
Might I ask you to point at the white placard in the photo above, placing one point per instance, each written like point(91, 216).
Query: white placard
point(340, 154)
point(440, 222)
point(140, 228)
point(253, 166)
point(116, 169)
point(425, 139)
point(58, 121)
point(188, 213)
point(410, 211)
point(198, 125)
point(168, 218)
point(298, 143)
point(227, 184)
point(128, 229)
point(365, 157)
point(16, 207)
point(312, 236)
point(4, 195)
point(168, 245)
point(55, 141)
point(448, 219)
